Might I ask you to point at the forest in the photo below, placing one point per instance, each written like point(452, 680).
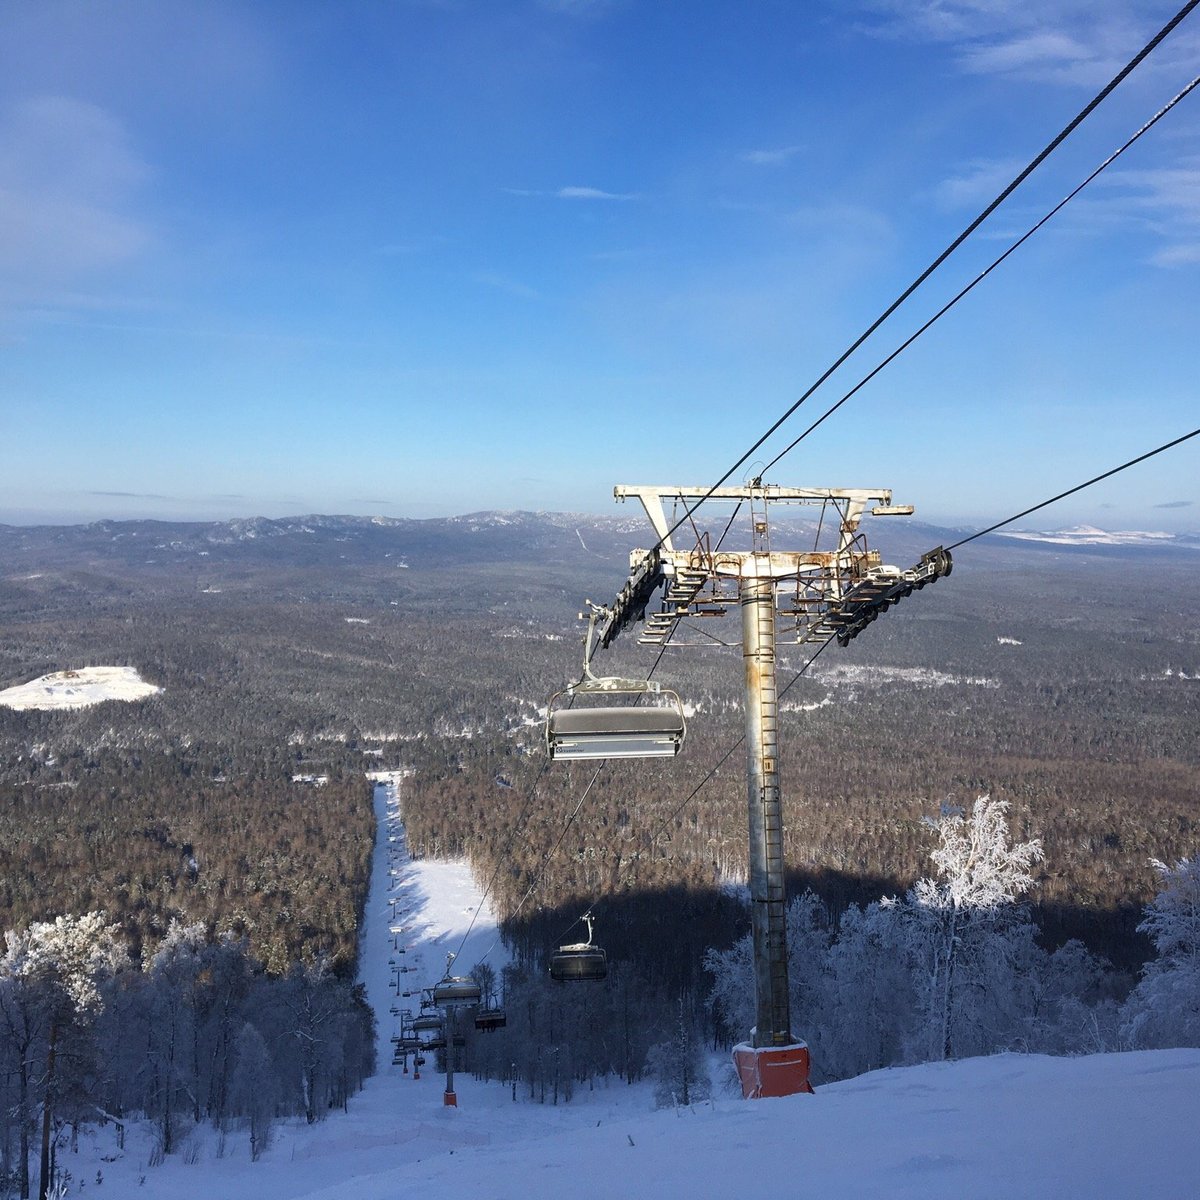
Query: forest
point(1051, 680)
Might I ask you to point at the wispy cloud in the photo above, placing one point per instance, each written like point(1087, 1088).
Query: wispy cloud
point(1075, 42)
point(502, 283)
point(69, 184)
point(1043, 51)
point(1181, 254)
point(854, 222)
point(578, 8)
point(591, 193)
point(771, 158)
point(132, 495)
point(1163, 201)
point(573, 192)
point(976, 183)
point(1174, 504)
point(404, 249)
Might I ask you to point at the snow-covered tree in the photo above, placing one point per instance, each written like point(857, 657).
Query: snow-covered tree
point(253, 1087)
point(1164, 1009)
point(59, 966)
point(732, 995)
point(808, 938)
point(869, 997)
point(963, 932)
point(677, 1064)
point(174, 974)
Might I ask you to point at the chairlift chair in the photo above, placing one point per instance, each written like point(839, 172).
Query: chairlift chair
point(625, 729)
point(487, 1019)
point(580, 962)
point(456, 991)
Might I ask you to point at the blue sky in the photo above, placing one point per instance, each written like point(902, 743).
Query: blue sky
point(419, 258)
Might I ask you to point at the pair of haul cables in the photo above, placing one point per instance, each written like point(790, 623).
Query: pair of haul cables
point(1034, 163)
point(840, 361)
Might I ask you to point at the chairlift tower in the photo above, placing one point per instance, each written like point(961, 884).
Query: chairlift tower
point(808, 596)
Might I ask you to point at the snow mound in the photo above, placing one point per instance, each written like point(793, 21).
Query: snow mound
point(78, 689)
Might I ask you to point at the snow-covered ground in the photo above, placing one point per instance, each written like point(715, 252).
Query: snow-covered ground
point(1010, 1126)
point(875, 675)
point(78, 689)
point(1089, 535)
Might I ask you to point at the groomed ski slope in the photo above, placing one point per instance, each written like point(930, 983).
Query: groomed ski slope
point(1107, 1126)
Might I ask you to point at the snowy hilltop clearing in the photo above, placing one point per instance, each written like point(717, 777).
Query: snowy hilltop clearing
point(78, 689)
point(1089, 535)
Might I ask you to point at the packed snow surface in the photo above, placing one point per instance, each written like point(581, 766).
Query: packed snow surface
point(78, 689)
point(1010, 1126)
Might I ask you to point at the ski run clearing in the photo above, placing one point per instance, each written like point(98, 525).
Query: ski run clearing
point(1008, 1126)
point(78, 689)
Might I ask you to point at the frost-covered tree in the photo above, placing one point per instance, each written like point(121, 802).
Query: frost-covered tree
point(808, 937)
point(225, 985)
point(732, 995)
point(1073, 1009)
point(253, 1087)
point(869, 997)
point(677, 1064)
point(60, 965)
point(174, 975)
point(1164, 1009)
point(964, 934)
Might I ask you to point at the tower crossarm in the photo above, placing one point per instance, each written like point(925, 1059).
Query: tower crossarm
point(654, 498)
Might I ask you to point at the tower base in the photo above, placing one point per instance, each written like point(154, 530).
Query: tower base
point(772, 1070)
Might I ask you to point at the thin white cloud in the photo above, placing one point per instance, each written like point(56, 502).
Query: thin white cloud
point(69, 185)
point(572, 193)
point(578, 8)
point(1034, 51)
point(1182, 254)
point(771, 158)
point(1075, 42)
point(1164, 202)
point(591, 193)
point(854, 222)
point(976, 183)
point(510, 287)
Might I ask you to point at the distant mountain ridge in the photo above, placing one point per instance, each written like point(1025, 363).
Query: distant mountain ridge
point(504, 536)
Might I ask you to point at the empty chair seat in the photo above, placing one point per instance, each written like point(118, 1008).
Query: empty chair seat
point(615, 732)
point(456, 990)
point(580, 963)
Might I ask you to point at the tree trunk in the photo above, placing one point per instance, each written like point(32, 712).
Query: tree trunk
point(24, 1118)
point(47, 1112)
